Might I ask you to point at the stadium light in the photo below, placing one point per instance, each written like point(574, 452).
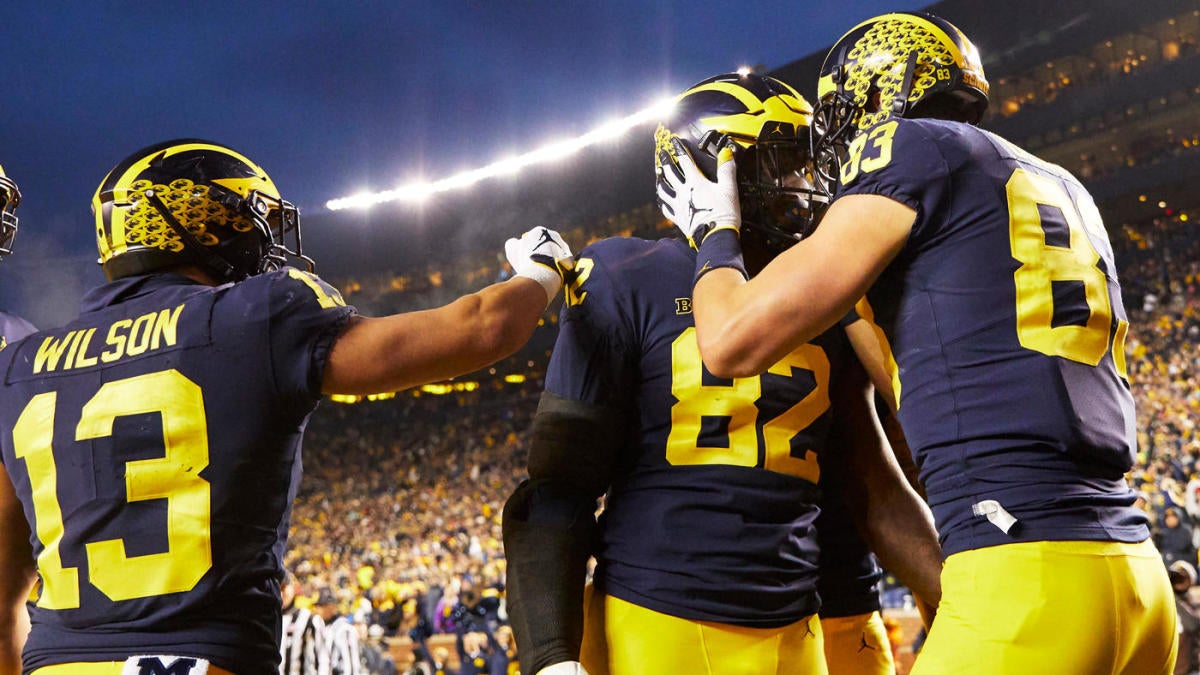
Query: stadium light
point(551, 152)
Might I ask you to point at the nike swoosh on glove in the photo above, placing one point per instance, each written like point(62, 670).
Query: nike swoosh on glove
point(542, 255)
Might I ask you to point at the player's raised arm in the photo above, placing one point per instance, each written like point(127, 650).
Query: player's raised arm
point(743, 326)
point(394, 352)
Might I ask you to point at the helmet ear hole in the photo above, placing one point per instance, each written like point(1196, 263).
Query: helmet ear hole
point(874, 100)
point(713, 140)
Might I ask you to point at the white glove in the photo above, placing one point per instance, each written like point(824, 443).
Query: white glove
point(542, 255)
point(695, 204)
point(564, 668)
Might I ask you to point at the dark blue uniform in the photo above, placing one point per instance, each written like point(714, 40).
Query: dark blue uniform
point(710, 515)
point(154, 444)
point(13, 328)
point(850, 575)
point(1004, 316)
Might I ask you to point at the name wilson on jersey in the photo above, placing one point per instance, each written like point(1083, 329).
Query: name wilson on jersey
point(124, 338)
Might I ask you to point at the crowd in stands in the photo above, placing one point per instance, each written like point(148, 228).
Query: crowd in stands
point(399, 511)
point(1170, 40)
point(1160, 264)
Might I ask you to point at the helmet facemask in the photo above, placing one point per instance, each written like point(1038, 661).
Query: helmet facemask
point(277, 218)
point(776, 191)
point(834, 126)
point(10, 197)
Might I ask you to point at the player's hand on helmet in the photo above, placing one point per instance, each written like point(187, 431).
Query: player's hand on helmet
point(696, 205)
point(564, 668)
point(542, 255)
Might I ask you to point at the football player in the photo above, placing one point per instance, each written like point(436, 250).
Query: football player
point(707, 553)
point(990, 277)
point(12, 328)
point(151, 446)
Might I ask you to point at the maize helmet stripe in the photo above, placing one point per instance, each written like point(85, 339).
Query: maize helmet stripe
point(12, 195)
point(746, 126)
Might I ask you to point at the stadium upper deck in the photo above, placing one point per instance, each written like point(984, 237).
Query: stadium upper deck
point(1106, 88)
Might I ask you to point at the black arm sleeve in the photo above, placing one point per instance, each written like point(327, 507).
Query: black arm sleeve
point(549, 523)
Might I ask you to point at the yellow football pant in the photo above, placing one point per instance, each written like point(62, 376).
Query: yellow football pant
point(857, 645)
point(620, 638)
point(1054, 608)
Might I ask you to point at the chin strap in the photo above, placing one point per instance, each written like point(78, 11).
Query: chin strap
point(900, 103)
point(203, 255)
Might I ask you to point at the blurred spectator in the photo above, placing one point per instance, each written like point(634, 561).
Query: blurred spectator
point(473, 659)
point(1175, 539)
point(375, 656)
point(1183, 578)
point(436, 662)
point(504, 659)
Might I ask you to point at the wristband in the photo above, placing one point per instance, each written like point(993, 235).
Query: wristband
point(721, 248)
point(549, 279)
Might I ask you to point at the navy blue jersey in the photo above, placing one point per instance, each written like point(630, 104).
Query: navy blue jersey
point(710, 514)
point(13, 328)
point(154, 444)
point(849, 574)
point(1005, 320)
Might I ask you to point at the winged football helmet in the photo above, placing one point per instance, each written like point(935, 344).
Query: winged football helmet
point(768, 123)
point(193, 202)
point(896, 65)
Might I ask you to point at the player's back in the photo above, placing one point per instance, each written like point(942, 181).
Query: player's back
point(155, 448)
point(1005, 319)
point(710, 513)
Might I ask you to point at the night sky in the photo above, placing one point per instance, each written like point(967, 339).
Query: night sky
point(335, 97)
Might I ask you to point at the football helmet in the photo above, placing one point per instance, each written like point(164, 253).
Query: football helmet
point(895, 65)
point(195, 202)
point(10, 197)
point(767, 121)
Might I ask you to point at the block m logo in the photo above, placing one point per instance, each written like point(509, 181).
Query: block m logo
point(152, 665)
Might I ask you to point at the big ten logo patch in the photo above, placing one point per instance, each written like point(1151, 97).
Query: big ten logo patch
point(683, 305)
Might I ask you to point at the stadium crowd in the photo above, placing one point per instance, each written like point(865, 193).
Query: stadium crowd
point(399, 512)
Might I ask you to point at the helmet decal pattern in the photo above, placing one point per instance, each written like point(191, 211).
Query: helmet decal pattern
point(880, 57)
point(192, 207)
